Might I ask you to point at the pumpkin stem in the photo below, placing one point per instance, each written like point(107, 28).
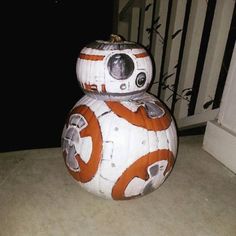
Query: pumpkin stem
point(114, 38)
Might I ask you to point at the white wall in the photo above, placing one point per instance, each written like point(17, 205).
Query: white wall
point(220, 135)
point(227, 115)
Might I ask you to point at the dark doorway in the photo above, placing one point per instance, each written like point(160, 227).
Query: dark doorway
point(42, 42)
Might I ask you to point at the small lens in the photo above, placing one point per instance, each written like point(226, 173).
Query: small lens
point(141, 79)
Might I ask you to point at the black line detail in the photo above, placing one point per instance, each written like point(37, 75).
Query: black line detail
point(164, 47)
point(226, 61)
point(181, 52)
point(151, 32)
point(202, 54)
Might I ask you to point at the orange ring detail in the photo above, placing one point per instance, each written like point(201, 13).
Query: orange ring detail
point(88, 170)
point(139, 169)
point(140, 117)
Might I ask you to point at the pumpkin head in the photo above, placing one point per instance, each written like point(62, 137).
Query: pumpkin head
point(119, 150)
point(114, 70)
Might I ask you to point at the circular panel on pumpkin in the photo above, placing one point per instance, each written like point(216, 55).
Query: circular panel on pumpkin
point(120, 66)
point(141, 79)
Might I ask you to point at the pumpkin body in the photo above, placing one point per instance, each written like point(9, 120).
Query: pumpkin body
point(119, 150)
point(114, 70)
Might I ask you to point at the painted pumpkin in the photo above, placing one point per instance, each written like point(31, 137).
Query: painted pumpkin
point(114, 70)
point(119, 150)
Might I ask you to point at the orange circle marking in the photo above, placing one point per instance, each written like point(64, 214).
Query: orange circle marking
point(140, 117)
point(139, 169)
point(88, 170)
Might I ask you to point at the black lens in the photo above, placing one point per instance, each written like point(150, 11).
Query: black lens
point(120, 66)
point(141, 79)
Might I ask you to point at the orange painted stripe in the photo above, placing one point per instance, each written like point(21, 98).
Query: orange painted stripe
point(94, 87)
point(89, 169)
point(90, 87)
point(104, 88)
point(91, 57)
point(140, 118)
point(141, 55)
point(139, 169)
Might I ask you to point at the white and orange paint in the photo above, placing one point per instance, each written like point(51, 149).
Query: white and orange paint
point(96, 79)
point(118, 149)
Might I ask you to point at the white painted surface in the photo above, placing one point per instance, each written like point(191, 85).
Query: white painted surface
point(220, 135)
point(215, 53)
point(227, 115)
point(195, 120)
point(123, 144)
point(97, 74)
point(157, 48)
point(172, 50)
point(190, 56)
point(213, 61)
point(221, 144)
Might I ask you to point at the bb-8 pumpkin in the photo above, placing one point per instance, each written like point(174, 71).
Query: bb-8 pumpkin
point(114, 70)
point(119, 149)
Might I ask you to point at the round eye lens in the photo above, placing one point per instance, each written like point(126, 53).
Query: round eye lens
point(120, 66)
point(141, 79)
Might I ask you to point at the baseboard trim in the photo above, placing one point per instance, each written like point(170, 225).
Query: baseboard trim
point(221, 144)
